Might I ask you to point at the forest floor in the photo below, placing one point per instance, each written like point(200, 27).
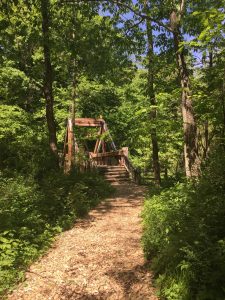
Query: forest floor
point(99, 258)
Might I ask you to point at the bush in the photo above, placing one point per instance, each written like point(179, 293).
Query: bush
point(32, 212)
point(37, 200)
point(184, 235)
point(23, 143)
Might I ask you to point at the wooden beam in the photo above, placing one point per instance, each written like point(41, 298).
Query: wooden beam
point(112, 142)
point(89, 122)
point(70, 145)
point(107, 154)
point(98, 142)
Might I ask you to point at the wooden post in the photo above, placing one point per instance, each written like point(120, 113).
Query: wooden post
point(103, 142)
point(98, 141)
point(125, 153)
point(69, 157)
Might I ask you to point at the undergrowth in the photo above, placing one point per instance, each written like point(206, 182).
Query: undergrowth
point(37, 200)
point(33, 212)
point(184, 235)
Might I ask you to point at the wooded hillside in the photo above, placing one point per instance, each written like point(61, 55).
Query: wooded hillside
point(155, 71)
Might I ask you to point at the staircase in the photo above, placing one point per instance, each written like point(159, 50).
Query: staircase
point(115, 174)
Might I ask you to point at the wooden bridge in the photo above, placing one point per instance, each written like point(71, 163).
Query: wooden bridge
point(105, 155)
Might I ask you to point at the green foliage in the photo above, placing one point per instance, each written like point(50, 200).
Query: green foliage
point(97, 99)
point(184, 236)
point(22, 142)
point(31, 213)
point(36, 200)
point(13, 122)
point(13, 86)
point(98, 53)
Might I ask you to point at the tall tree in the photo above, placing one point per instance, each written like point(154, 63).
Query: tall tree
point(176, 11)
point(152, 98)
point(192, 162)
point(48, 77)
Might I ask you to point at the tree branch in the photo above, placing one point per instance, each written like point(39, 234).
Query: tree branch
point(130, 8)
point(133, 26)
point(182, 6)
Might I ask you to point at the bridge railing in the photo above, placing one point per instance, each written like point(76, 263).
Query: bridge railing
point(115, 158)
point(112, 158)
point(135, 174)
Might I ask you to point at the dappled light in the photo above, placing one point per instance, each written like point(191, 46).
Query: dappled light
point(112, 149)
point(99, 258)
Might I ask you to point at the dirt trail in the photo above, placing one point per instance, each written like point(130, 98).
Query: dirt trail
point(99, 258)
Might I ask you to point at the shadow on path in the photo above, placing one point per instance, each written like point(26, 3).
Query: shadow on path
point(99, 258)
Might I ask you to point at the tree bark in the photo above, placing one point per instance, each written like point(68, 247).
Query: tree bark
point(192, 161)
point(223, 105)
point(206, 124)
point(48, 78)
point(151, 95)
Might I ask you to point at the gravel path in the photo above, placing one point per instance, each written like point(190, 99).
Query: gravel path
point(99, 258)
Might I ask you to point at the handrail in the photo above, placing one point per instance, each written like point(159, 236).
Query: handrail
point(107, 154)
point(122, 159)
point(134, 172)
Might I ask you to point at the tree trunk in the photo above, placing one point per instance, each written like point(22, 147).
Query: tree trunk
point(206, 135)
point(223, 105)
point(151, 95)
point(47, 86)
point(206, 124)
point(74, 87)
point(192, 162)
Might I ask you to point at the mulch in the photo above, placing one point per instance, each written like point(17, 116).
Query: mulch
point(99, 258)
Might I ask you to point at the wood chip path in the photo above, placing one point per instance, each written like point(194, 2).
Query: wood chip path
point(99, 258)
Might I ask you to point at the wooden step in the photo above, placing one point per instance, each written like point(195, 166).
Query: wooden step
point(117, 176)
point(111, 168)
point(114, 174)
point(118, 179)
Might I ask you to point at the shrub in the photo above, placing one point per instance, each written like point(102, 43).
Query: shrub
point(184, 235)
point(36, 199)
point(32, 212)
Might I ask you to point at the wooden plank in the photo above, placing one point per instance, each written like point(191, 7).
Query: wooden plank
point(89, 122)
point(103, 144)
point(70, 145)
point(98, 142)
point(107, 154)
